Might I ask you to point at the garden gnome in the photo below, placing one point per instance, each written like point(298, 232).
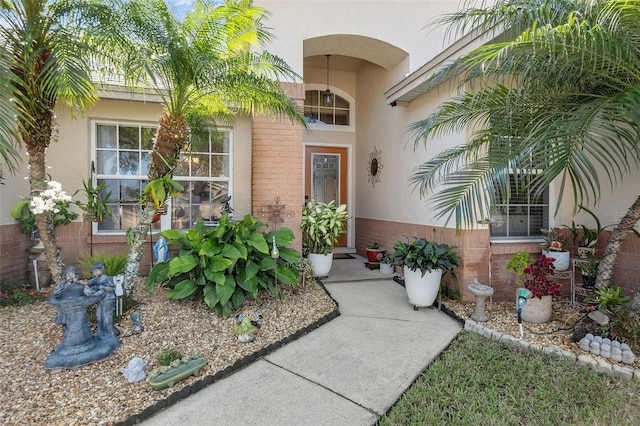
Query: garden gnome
point(104, 311)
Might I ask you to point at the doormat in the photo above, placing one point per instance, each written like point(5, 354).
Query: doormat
point(342, 256)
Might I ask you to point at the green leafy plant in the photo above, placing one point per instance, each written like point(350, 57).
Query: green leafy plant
point(609, 297)
point(114, 263)
point(591, 265)
point(226, 264)
point(322, 225)
point(96, 207)
point(168, 356)
point(374, 246)
point(582, 235)
point(18, 296)
point(387, 258)
point(158, 190)
point(553, 240)
point(426, 255)
point(518, 263)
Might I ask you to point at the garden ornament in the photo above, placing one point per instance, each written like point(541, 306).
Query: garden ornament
point(118, 280)
point(134, 371)
point(523, 295)
point(71, 299)
point(135, 317)
point(160, 250)
point(254, 316)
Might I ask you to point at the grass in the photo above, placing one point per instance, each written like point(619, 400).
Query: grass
point(481, 381)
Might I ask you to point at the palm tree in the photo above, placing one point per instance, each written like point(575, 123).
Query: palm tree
point(557, 90)
point(205, 71)
point(8, 136)
point(46, 47)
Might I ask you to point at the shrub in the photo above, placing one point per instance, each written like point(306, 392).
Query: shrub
point(18, 296)
point(225, 264)
point(114, 263)
point(167, 356)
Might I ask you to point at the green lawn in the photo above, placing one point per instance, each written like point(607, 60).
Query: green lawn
point(478, 381)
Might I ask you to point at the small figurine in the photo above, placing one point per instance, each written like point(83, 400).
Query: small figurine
point(160, 250)
point(134, 371)
point(104, 311)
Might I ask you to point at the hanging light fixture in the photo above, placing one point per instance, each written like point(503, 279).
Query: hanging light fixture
point(327, 97)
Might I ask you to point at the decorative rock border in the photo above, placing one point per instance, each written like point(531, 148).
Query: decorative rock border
point(197, 386)
point(599, 365)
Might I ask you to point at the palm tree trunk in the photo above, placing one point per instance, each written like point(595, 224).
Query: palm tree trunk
point(172, 135)
point(36, 143)
point(132, 267)
point(619, 234)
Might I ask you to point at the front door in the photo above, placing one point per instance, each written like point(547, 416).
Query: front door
point(325, 177)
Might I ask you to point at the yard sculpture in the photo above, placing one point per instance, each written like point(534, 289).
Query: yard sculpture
point(79, 346)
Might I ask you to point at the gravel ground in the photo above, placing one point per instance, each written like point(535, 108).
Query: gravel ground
point(558, 332)
point(98, 393)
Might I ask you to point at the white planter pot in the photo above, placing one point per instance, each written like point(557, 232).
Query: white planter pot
point(386, 268)
point(422, 290)
point(561, 259)
point(537, 311)
point(583, 252)
point(321, 263)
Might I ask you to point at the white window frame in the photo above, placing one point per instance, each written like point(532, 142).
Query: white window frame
point(506, 218)
point(165, 220)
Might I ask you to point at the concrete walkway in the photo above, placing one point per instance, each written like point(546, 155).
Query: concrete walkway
point(347, 372)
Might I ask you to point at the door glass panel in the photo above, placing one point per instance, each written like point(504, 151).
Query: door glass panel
point(325, 182)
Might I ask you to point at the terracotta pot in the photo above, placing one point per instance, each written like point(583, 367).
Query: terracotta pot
point(537, 311)
point(375, 255)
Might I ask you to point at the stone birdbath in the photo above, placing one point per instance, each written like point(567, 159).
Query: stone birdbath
point(481, 292)
point(79, 346)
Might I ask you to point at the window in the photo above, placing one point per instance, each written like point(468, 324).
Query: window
point(122, 153)
point(337, 114)
point(205, 172)
point(522, 215)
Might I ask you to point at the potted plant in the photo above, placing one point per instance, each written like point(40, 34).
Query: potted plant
point(386, 264)
point(322, 225)
point(375, 253)
point(424, 263)
point(584, 237)
point(555, 247)
point(538, 281)
point(96, 208)
point(518, 263)
point(589, 272)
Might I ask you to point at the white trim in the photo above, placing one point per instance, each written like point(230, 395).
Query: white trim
point(413, 85)
point(350, 190)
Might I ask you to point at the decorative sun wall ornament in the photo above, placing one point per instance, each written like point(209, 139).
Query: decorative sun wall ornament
point(375, 166)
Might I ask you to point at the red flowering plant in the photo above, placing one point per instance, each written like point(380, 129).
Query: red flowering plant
point(24, 295)
point(538, 280)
